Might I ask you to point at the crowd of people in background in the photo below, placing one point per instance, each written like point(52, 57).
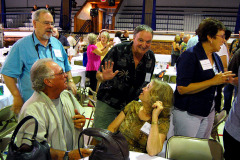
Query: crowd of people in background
point(121, 71)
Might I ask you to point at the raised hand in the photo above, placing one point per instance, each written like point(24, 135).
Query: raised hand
point(157, 108)
point(107, 71)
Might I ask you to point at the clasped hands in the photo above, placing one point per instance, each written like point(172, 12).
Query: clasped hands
point(226, 77)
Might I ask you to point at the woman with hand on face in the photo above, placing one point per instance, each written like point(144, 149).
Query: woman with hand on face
point(153, 112)
point(200, 76)
point(104, 43)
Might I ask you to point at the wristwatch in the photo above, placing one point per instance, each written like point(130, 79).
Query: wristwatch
point(70, 80)
point(66, 155)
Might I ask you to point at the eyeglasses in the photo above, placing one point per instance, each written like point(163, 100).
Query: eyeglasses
point(222, 36)
point(61, 73)
point(47, 23)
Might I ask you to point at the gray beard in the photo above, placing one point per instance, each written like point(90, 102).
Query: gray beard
point(47, 37)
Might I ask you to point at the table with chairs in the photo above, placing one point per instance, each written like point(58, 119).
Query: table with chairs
point(167, 75)
point(6, 99)
point(163, 58)
point(79, 71)
point(78, 60)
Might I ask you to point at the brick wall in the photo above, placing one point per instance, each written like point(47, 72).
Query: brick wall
point(161, 47)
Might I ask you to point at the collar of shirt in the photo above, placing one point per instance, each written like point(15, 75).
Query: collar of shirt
point(37, 42)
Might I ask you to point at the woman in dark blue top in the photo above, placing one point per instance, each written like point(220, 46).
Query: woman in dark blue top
point(199, 79)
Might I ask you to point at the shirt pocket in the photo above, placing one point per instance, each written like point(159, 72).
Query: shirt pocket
point(29, 62)
point(60, 62)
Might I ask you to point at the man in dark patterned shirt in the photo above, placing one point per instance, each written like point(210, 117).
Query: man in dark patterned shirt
point(124, 71)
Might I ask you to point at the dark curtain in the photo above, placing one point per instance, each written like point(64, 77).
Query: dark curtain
point(237, 27)
point(143, 13)
point(64, 18)
point(154, 15)
point(3, 13)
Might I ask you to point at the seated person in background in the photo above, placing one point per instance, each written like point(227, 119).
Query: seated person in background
point(85, 59)
point(34, 8)
point(153, 110)
point(183, 45)
point(56, 110)
point(125, 36)
point(71, 40)
point(117, 38)
point(51, 10)
point(80, 45)
point(61, 38)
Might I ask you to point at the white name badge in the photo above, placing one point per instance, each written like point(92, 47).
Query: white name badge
point(57, 53)
point(146, 128)
point(206, 64)
point(148, 77)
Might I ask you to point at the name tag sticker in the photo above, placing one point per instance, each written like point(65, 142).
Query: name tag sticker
point(148, 77)
point(146, 128)
point(206, 64)
point(57, 53)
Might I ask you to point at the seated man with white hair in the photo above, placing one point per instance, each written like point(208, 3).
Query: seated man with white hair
point(59, 115)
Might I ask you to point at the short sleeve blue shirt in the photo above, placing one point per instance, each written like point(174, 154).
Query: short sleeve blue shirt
point(24, 53)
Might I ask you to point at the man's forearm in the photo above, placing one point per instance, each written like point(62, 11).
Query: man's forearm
point(11, 84)
point(70, 79)
point(56, 154)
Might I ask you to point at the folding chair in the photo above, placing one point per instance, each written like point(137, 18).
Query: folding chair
point(219, 118)
point(172, 79)
point(8, 123)
point(93, 101)
point(165, 78)
point(77, 81)
point(189, 148)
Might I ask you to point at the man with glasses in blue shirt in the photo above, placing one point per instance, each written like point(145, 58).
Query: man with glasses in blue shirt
point(28, 50)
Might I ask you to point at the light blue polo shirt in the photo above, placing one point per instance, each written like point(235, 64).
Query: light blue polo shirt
point(22, 56)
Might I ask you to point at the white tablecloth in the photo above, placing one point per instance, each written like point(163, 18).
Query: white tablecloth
point(4, 50)
point(79, 71)
point(171, 71)
point(163, 58)
point(6, 99)
point(173, 86)
point(78, 58)
point(139, 156)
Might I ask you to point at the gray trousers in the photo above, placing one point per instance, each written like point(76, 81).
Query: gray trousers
point(104, 115)
point(190, 125)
